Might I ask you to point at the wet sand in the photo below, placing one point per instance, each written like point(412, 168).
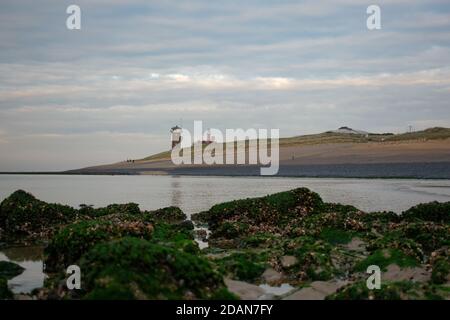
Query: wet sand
point(406, 159)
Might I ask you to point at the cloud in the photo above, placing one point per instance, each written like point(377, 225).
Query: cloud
point(138, 67)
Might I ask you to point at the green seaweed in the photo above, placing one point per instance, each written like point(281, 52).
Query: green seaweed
point(9, 270)
point(179, 236)
point(127, 208)
point(399, 290)
point(384, 257)
point(259, 239)
point(68, 245)
point(169, 214)
point(432, 211)
point(336, 236)
point(431, 236)
point(440, 264)
point(132, 268)
point(5, 293)
point(441, 270)
point(23, 217)
point(245, 266)
point(314, 260)
point(131, 254)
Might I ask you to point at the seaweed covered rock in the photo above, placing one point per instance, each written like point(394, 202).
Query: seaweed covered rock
point(23, 217)
point(343, 221)
point(5, 293)
point(385, 257)
point(417, 239)
point(296, 213)
point(168, 214)
point(258, 240)
point(125, 253)
point(67, 246)
point(431, 236)
point(179, 236)
point(398, 290)
point(9, 270)
point(347, 219)
point(314, 259)
point(440, 264)
point(330, 240)
point(395, 241)
point(127, 208)
point(133, 268)
point(274, 213)
point(245, 266)
point(432, 211)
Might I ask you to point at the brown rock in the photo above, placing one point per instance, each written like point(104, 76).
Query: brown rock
point(328, 287)
point(288, 261)
point(395, 273)
point(244, 290)
point(272, 276)
point(318, 290)
point(306, 294)
point(356, 245)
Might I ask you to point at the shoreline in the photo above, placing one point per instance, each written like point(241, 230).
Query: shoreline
point(224, 176)
point(414, 170)
point(217, 176)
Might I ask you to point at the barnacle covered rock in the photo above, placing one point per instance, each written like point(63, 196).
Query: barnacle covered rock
point(67, 246)
point(25, 218)
point(133, 268)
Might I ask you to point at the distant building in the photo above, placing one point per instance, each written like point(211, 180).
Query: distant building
point(348, 130)
point(209, 138)
point(175, 135)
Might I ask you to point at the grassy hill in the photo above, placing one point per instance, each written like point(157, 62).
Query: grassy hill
point(428, 134)
point(334, 137)
point(331, 137)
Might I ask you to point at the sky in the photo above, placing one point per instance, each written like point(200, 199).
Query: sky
point(112, 90)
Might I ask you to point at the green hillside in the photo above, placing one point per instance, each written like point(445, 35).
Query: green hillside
point(335, 137)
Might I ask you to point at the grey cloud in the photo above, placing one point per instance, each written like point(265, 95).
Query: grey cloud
point(112, 90)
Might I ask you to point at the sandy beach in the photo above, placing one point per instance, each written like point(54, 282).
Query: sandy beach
point(414, 159)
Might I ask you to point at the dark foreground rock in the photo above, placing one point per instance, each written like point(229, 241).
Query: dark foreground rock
point(5, 293)
point(321, 250)
point(69, 244)
point(72, 241)
point(133, 268)
point(24, 218)
point(397, 290)
point(9, 270)
point(302, 240)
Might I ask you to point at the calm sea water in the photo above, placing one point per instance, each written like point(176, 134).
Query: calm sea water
point(194, 194)
point(30, 258)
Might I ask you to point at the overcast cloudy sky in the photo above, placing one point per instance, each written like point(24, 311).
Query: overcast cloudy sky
point(112, 90)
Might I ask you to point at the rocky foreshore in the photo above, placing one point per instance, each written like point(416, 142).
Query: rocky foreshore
point(288, 245)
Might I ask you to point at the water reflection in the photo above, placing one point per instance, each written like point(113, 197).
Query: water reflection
point(31, 259)
point(194, 194)
point(176, 192)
